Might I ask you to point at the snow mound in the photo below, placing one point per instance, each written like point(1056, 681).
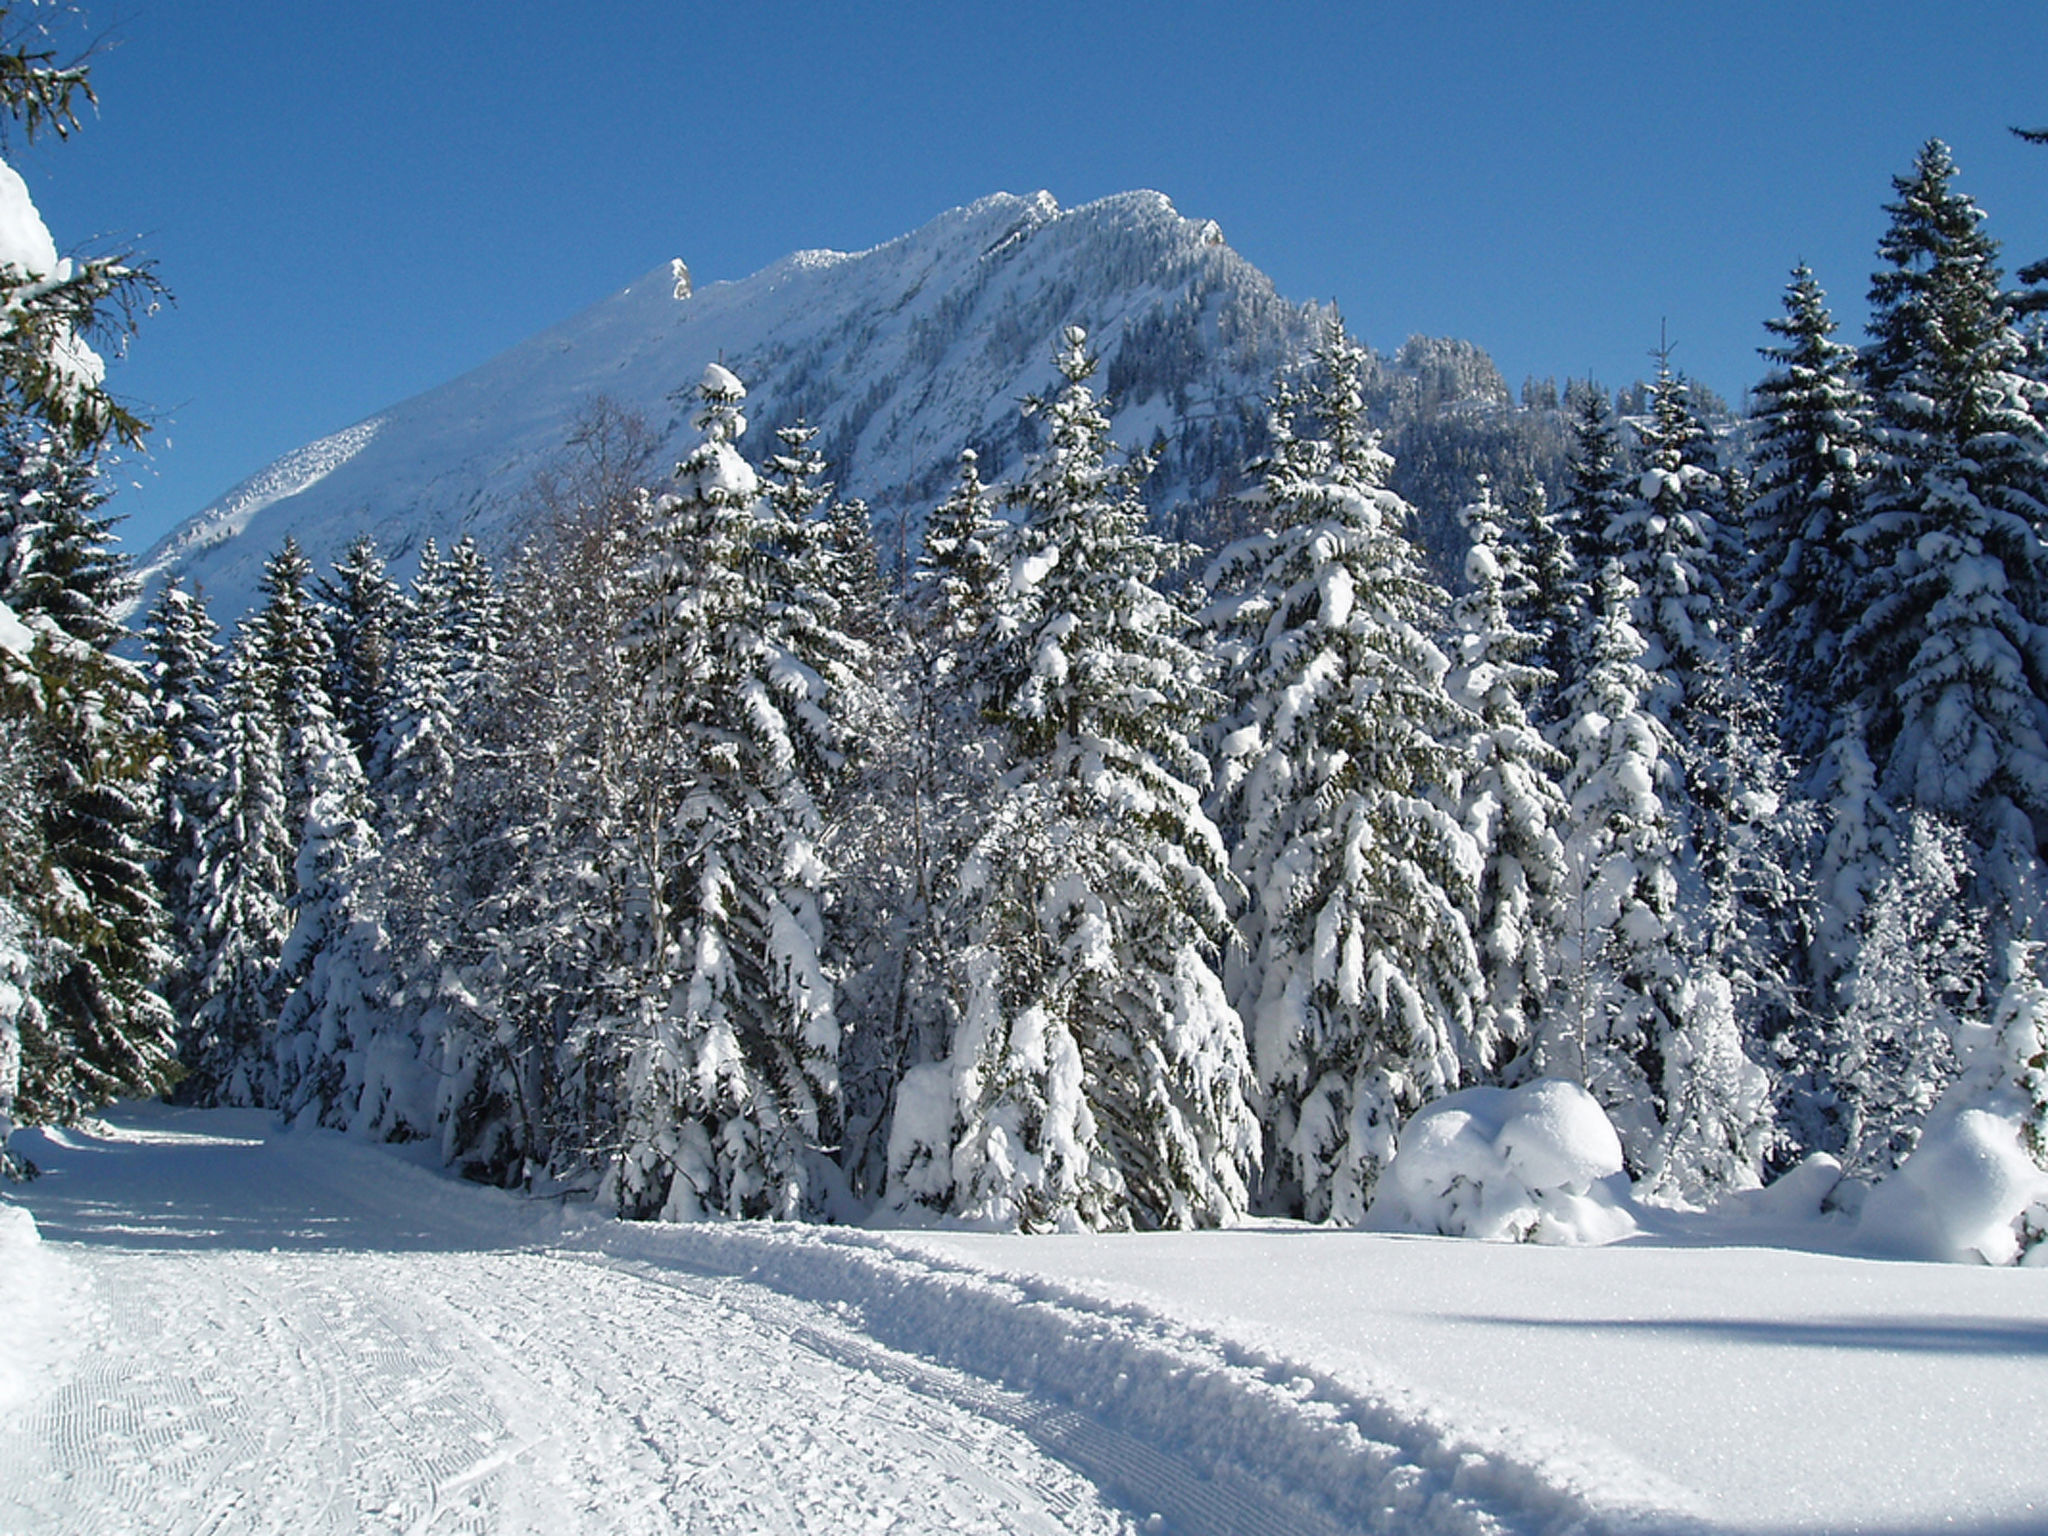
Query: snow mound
point(1535, 1164)
point(1960, 1198)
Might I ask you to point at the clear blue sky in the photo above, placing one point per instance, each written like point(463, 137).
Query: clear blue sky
point(353, 202)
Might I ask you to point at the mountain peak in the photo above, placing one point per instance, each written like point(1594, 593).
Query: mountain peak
point(902, 355)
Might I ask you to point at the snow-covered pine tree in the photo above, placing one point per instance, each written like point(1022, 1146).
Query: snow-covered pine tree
point(244, 886)
point(184, 663)
point(326, 821)
point(79, 921)
point(1512, 805)
point(336, 960)
point(732, 1088)
point(953, 755)
point(1657, 1047)
point(1666, 537)
point(1546, 596)
point(1097, 1072)
point(22, 875)
point(1596, 488)
point(1346, 769)
point(1946, 655)
point(1917, 975)
point(292, 654)
point(363, 610)
point(831, 612)
point(1809, 461)
point(108, 1033)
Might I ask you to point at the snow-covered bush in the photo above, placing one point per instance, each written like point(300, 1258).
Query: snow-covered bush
point(1975, 1189)
point(1537, 1164)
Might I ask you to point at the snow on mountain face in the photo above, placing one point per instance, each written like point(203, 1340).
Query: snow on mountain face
point(902, 356)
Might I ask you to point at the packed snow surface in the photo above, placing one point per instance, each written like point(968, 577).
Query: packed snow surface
point(215, 1326)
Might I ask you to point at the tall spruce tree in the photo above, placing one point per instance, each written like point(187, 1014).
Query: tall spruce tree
point(1512, 804)
point(184, 663)
point(1945, 655)
point(1656, 1045)
point(732, 1089)
point(1809, 463)
point(1346, 769)
point(105, 1030)
point(363, 610)
point(244, 891)
point(1097, 1075)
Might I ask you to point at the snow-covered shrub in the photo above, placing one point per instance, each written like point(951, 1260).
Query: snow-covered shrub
point(1540, 1164)
point(1975, 1189)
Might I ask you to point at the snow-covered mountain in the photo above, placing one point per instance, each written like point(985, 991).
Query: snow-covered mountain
point(901, 355)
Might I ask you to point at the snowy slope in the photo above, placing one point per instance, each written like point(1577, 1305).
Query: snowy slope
point(236, 1330)
point(901, 355)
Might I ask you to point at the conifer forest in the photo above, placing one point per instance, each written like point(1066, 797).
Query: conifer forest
point(1052, 872)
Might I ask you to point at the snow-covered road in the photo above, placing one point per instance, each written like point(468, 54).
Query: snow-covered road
point(226, 1329)
point(276, 1338)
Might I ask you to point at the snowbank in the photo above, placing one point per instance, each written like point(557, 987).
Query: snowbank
point(1536, 1164)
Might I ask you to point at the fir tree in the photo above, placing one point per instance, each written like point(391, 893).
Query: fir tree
point(1945, 653)
point(185, 676)
point(1666, 537)
point(244, 886)
point(733, 1084)
point(1595, 494)
point(363, 611)
point(1512, 804)
point(951, 759)
point(107, 1033)
point(1346, 770)
point(1657, 1047)
point(1097, 1074)
point(1809, 461)
point(1546, 595)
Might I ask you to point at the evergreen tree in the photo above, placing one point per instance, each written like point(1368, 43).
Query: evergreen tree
point(106, 1032)
point(185, 675)
point(335, 960)
point(1918, 973)
point(244, 886)
point(1657, 1047)
point(1596, 488)
point(80, 924)
point(1546, 595)
point(1512, 805)
point(1809, 461)
point(1346, 769)
point(733, 1084)
point(1945, 655)
point(1097, 1075)
point(1666, 537)
point(363, 611)
point(952, 758)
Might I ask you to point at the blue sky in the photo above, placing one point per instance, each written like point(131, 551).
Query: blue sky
point(353, 202)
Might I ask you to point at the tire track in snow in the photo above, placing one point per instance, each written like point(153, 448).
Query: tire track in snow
point(1147, 1481)
point(789, 1438)
point(1234, 1439)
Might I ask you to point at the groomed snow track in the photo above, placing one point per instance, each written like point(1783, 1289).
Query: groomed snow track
point(299, 1333)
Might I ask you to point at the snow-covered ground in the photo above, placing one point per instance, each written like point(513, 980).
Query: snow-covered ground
point(227, 1329)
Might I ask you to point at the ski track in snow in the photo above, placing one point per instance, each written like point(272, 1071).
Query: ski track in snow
point(298, 1333)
